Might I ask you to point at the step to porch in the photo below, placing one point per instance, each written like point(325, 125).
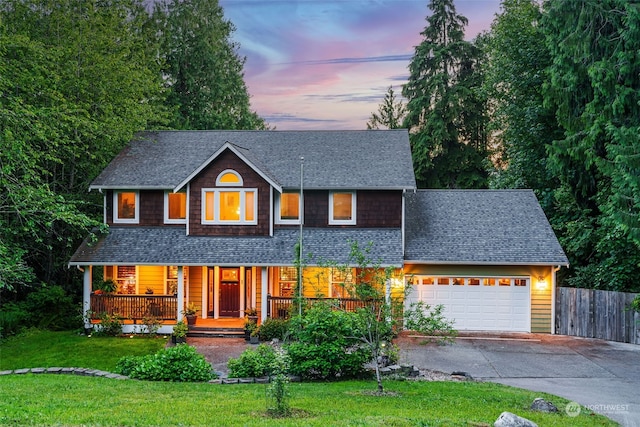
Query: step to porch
point(212, 332)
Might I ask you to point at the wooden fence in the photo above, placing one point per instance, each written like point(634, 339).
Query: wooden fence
point(597, 314)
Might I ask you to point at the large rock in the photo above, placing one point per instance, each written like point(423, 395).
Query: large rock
point(541, 405)
point(507, 419)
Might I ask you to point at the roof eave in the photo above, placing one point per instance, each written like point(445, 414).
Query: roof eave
point(490, 263)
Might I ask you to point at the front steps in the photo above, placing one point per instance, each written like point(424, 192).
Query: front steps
point(196, 331)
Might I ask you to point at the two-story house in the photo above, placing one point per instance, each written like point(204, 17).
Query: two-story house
point(213, 218)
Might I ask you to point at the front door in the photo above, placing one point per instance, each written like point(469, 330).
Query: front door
point(229, 292)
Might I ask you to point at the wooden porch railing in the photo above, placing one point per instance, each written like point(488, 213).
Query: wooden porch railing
point(280, 307)
point(135, 307)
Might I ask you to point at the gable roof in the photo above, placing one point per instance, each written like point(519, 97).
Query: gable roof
point(171, 246)
point(479, 227)
point(367, 159)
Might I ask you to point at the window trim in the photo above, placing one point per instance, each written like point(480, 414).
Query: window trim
point(216, 206)
point(168, 220)
point(351, 221)
point(279, 219)
point(136, 218)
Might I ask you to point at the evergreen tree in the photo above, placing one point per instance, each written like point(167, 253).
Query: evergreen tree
point(445, 113)
point(522, 127)
point(204, 73)
point(594, 85)
point(390, 113)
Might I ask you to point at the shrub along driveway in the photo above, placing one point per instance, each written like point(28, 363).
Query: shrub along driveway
point(602, 375)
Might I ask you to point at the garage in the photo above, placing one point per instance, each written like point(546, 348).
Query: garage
point(478, 303)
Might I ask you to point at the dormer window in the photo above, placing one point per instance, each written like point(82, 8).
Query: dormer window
point(232, 205)
point(125, 207)
point(342, 208)
point(175, 208)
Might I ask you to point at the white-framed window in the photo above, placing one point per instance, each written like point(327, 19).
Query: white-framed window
point(230, 205)
point(471, 281)
point(341, 280)
point(342, 208)
point(126, 207)
point(288, 208)
point(126, 278)
point(175, 207)
point(171, 278)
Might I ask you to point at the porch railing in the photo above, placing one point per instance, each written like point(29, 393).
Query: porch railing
point(280, 307)
point(135, 307)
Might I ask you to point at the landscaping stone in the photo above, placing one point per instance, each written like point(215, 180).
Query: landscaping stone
point(294, 378)
point(395, 368)
point(79, 371)
point(385, 371)
point(54, 370)
point(508, 419)
point(230, 381)
point(21, 371)
point(462, 375)
point(262, 380)
point(6, 372)
point(541, 405)
point(38, 370)
point(67, 370)
point(246, 380)
point(215, 381)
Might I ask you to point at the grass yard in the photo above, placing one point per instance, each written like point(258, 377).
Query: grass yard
point(45, 349)
point(70, 400)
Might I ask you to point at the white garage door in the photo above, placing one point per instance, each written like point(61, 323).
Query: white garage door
point(478, 303)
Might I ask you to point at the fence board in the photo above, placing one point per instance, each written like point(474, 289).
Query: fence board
point(597, 314)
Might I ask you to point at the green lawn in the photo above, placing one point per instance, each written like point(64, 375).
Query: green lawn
point(34, 349)
point(44, 399)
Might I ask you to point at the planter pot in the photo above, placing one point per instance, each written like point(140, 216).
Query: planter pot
point(254, 340)
point(191, 319)
point(178, 340)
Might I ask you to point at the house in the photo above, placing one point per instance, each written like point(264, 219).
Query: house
point(212, 218)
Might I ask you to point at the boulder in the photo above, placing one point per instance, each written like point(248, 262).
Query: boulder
point(507, 419)
point(541, 405)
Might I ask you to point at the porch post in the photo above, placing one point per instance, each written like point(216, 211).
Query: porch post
point(263, 293)
point(86, 293)
point(180, 293)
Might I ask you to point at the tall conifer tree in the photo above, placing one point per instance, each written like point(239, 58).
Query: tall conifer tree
point(448, 140)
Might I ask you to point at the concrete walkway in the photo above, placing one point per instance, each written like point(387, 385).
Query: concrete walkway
point(604, 376)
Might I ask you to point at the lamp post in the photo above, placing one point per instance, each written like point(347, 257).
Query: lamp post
point(300, 242)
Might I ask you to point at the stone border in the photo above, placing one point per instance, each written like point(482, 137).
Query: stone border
point(66, 371)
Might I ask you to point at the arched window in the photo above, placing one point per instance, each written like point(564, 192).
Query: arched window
point(229, 177)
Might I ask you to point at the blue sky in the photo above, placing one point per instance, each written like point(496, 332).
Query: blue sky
point(326, 64)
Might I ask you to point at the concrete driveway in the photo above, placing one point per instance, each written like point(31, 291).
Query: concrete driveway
point(604, 376)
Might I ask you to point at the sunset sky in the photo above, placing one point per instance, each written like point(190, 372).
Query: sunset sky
point(326, 64)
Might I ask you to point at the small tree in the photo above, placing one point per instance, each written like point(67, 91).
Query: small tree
point(390, 113)
point(374, 324)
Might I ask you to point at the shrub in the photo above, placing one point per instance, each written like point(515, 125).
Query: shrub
point(13, 318)
point(50, 307)
point(274, 328)
point(151, 324)
point(252, 363)
point(430, 322)
point(325, 344)
point(181, 363)
point(277, 392)
point(110, 325)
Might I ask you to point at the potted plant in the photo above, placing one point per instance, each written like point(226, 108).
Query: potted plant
point(252, 314)
point(249, 327)
point(254, 336)
point(179, 334)
point(106, 287)
point(149, 291)
point(190, 313)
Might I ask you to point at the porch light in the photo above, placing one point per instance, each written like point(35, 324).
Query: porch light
point(541, 285)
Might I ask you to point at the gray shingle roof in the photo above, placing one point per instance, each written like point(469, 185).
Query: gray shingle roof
point(369, 159)
point(479, 227)
point(171, 246)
